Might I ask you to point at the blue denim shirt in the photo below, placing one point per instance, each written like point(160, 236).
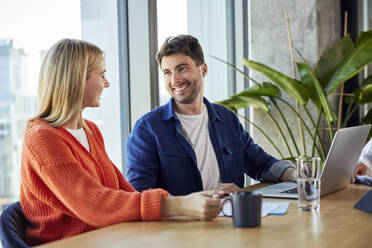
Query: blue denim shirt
point(159, 154)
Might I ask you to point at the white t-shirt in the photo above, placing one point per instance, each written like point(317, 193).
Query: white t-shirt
point(366, 154)
point(81, 136)
point(196, 127)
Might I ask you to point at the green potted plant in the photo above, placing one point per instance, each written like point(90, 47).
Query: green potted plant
point(337, 65)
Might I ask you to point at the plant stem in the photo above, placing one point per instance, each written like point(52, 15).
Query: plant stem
point(300, 127)
point(286, 124)
point(294, 76)
point(347, 114)
point(330, 129)
point(320, 151)
point(350, 114)
point(316, 129)
point(329, 126)
point(349, 108)
point(314, 140)
point(264, 134)
point(310, 117)
point(281, 132)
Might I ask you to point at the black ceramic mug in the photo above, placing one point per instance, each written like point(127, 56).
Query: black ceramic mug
point(246, 208)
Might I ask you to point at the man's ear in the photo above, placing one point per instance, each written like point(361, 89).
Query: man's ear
point(204, 69)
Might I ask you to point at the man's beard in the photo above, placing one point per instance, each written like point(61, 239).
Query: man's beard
point(191, 97)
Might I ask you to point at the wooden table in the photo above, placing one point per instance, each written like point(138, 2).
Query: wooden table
point(337, 224)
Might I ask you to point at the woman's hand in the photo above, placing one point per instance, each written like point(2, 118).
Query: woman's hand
point(199, 205)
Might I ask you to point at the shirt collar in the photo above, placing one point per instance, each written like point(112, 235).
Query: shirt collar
point(169, 113)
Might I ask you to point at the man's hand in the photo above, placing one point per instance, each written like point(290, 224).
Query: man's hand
point(290, 174)
point(362, 169)
point(223, 189)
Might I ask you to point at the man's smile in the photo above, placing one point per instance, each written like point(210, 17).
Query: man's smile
point(181, 87)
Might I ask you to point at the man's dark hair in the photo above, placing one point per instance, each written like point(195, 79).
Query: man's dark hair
point(185, 44)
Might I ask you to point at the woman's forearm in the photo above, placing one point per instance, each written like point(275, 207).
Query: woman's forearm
point(172, 206)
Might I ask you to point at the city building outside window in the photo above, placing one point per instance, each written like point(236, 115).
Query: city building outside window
point(27, 30)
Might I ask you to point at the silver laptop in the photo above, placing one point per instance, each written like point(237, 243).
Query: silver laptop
point(338, 168)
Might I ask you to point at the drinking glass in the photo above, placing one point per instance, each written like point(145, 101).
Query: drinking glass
point(308, 183)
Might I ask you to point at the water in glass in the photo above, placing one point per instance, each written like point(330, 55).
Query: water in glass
point(309, 193)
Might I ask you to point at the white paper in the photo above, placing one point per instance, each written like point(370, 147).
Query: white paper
point(267, 207)
point(281, 209)
point(364, 178)
point(276, 208)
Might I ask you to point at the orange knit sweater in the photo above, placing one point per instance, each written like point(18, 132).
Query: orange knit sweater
point(67, 190)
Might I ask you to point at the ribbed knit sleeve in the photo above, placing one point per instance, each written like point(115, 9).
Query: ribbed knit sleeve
point(151, 202)
point(69, 186)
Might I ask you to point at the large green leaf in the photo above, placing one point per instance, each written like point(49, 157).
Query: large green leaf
point(355, 62)
point(367, 119)
point(355, 97)
point(308, 81)
point(365, 94)
point(293, 87)
point(361, 95)
point(319, 90)
point(332, 58)
point(367, 80)
point(238, 102)
point(265, 89)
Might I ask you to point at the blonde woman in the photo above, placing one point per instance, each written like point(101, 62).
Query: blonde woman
point(69, 185)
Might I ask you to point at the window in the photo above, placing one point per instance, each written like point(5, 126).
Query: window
point(213, 23)
point(99, 25)
point(172, 21)
point(27, 30)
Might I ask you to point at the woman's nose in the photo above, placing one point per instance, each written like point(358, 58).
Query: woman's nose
point(107, 84)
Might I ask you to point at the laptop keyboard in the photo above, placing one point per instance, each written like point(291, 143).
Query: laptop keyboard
point(290, 191)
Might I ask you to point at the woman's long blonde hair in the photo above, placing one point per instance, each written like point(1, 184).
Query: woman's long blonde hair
point(63, 74)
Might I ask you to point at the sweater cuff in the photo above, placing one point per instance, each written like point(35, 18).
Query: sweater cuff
point(151, 203)
point(277, 170)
